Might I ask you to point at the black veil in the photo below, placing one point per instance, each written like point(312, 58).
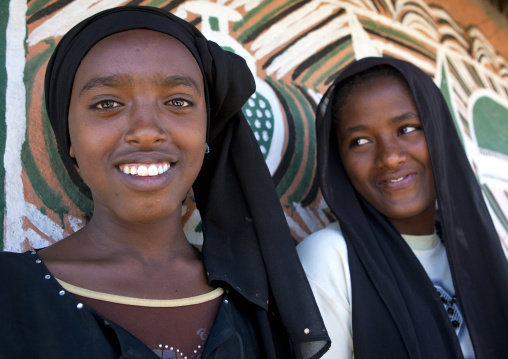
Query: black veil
point(396, 310)
point(247, 243)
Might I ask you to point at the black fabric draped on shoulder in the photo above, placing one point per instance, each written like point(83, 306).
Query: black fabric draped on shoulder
point(396, 310)
point(247, 244)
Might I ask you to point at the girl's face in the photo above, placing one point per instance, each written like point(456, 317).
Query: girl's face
point(137, 124)
point(383, 148)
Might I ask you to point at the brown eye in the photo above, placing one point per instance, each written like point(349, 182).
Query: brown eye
point(359, 142)
point(106, 105)
point(178, 102)
point(408, 129)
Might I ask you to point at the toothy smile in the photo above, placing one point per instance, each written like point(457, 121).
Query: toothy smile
point(145, 169)
point(395, 180)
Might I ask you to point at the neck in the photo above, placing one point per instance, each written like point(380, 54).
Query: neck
point(418, 225)
point(158, 240)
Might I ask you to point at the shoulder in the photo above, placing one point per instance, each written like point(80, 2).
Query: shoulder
point(11, 262)
point(327, 243)
point(21, 273)
point(324, 256)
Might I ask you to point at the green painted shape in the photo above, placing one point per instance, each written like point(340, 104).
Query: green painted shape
point(32, 67)
point(319, 64)
point(297, 159)
point(50, 198)
point(156, 3)
point(397, 34)
point(259, 114)
point(214, 23)
point(229, 49)
point(36, 6)
point(79, 199)
point(306, 181)
point(84, 203)
point(445, 90)
point(4, 16)
point(199, 227)
point(490, 120)
point(286, 181)
point(266, 18)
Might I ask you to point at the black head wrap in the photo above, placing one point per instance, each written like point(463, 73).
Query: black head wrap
point(247, 244)
point(396, 310)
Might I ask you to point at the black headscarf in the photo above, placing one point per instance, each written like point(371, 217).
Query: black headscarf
point(397, 312)
point(247, 243)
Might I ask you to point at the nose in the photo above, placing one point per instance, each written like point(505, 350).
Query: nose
point(390, 154)
point(144, 127)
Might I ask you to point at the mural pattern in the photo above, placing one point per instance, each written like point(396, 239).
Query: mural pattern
point(295, 48)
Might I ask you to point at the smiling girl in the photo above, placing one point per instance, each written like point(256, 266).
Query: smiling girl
point(413, 268)
point(136, 98)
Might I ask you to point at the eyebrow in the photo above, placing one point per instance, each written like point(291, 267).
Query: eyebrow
point(174, 81)
point(404, 116)
point(112, 81)
point(351, 130)
point(119, 80)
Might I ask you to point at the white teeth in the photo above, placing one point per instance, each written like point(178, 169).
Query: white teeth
point(144, 170)
point(152, 170)
point(396, 180)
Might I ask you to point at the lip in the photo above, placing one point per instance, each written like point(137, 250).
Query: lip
point(397, 181)
point(146, 183)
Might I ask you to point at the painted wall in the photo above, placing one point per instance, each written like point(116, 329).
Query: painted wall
point(294, 48)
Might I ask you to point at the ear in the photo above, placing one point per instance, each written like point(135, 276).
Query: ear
point(73, 155)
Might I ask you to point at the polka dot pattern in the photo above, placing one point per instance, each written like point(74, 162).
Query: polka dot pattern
point(259, 114)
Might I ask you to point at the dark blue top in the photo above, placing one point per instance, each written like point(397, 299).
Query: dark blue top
point(40, 319)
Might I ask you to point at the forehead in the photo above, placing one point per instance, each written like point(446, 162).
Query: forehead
point(367, 94)
point(377, 85)
point(374, 101)
point(139, 51)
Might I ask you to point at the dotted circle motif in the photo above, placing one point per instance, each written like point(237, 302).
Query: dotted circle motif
point(259, 113)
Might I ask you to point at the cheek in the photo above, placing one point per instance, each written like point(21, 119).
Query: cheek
point(431, 189)
point(192, 135)
point(356, 168)
point(88, 134)
point(78, 130)
point(424, 159)
point(84, 145)
point(91, 150)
